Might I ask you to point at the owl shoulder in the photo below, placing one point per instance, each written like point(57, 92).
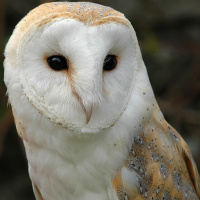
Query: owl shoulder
point(159, 165)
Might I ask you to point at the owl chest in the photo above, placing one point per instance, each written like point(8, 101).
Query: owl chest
point(68, 177)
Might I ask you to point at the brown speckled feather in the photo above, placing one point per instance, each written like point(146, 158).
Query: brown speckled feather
point(161, 163)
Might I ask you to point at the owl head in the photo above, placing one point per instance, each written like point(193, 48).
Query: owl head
point(77, 64)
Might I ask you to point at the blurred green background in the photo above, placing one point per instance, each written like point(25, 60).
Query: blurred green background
point(169, 37)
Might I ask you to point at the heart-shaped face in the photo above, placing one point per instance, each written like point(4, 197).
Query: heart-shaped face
point(78, 72)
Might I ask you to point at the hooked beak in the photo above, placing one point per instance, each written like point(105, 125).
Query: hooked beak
point(87, 108)
point(88, 112)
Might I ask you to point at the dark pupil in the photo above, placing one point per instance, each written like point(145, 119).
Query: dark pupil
point(57, 62)
point(110, 62)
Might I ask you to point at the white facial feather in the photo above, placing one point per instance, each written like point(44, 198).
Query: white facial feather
point(85, 49)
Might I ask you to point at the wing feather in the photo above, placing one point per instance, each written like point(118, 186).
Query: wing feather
point(191, 165)
point(161, 164)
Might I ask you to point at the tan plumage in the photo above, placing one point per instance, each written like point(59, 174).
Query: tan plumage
point(163, 162)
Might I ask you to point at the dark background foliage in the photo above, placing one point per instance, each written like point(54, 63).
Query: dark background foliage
point(169, 37)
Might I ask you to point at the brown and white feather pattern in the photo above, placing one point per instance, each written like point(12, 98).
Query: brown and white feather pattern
point(162, 163)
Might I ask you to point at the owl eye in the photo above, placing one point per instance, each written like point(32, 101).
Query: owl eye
point(110, 62)
point(57, 62)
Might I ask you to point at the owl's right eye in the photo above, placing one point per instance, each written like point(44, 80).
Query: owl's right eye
point(57, 62)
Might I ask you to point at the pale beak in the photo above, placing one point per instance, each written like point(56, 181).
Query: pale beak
point(87, 108)
point(88, 112)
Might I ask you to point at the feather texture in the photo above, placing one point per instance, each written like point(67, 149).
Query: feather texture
point(161, 163)
point(91, 133)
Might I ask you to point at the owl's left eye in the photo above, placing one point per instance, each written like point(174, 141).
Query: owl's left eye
point(110, 62)
point(57, 62)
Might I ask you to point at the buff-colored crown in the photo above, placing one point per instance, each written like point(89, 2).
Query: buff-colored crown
point(88, 13)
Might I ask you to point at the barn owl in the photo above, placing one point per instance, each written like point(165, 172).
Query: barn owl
point(86, 112)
